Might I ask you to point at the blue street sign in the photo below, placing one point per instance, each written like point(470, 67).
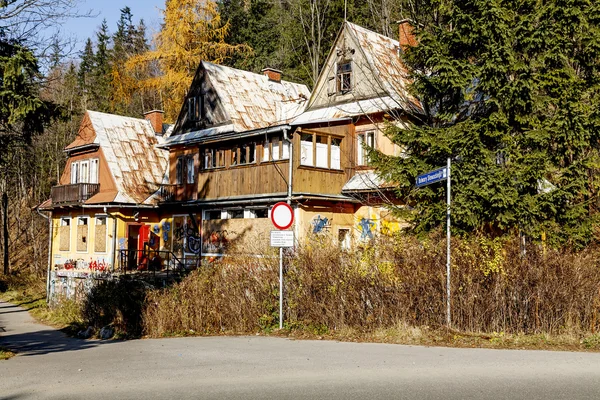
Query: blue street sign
point(430, 177)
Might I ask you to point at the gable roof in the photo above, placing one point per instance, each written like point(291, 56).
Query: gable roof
point(128, 145)
point(387, 75)
point(250, 102)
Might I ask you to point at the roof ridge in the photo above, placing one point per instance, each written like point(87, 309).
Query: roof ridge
point(249, 72)
point(116, 115)
point(358, 27)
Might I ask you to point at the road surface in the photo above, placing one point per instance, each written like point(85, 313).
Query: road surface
point(52, 366)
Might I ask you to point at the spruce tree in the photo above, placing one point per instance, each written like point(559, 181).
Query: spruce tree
point(510, 91)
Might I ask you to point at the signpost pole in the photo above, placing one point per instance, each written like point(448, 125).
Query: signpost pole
point(448, 186)
point(281, 288)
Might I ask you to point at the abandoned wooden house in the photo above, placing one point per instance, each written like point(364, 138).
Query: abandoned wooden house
point(106, 196)
point(242, 142)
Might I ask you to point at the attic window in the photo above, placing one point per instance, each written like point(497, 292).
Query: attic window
point(196, 107)
point(344, 77)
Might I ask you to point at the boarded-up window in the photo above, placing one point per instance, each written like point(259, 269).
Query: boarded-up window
point(64, 234)
point(82, 233)
point(100, 235)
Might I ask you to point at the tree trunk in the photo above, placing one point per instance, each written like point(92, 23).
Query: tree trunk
point(5, 224)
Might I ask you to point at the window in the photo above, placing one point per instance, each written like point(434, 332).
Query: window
point(84, 171)
point(257, 213)
point(321, 151)
point(212, 214)
point(214, 158)
point(100, 235)
point(344, 238)
point(82, 234)
point(234, 156)
point(190, 169)
point(74, 172)
point(196, 108)
point(64, 234)
point(179, 171)
point(335, 153)
point(235, 214)
point(306, 149)
point(344, 77)
point(365, 139)
point(276, 148)
point(94, 164)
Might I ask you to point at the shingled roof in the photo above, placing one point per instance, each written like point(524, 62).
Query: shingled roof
point(247, 102)
point(383, 68)
point(128, 144)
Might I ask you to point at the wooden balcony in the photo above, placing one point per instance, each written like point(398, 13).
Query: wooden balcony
point(74, 193)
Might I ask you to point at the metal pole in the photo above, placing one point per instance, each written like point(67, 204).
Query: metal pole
point(281, 288)
point(448, 319)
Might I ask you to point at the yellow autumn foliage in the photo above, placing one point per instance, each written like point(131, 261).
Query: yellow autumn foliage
point(192, 31)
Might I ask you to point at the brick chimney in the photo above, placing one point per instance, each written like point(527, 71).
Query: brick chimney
point(405, 34)
point(156, 119)
point(273, 74)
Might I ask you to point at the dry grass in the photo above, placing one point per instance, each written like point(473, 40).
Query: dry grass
point(394, 291)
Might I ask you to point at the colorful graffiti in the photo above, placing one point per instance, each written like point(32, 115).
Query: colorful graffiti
point(320, 224)
point(216, 242)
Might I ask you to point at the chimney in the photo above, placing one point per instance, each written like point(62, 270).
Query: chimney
point(273, 74)
point(405, 34)
point(156, 119)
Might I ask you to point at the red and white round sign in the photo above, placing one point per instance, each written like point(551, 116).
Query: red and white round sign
point(282, 215)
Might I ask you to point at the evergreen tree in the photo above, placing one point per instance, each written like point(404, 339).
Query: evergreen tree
point(102, 69)
point(510, 90)
point(84, 75)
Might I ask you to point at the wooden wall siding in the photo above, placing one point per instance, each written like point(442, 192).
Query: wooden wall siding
point(185, 191)
point(105, 177)
point(252, 179)
point(320, 180)
point(214, 112)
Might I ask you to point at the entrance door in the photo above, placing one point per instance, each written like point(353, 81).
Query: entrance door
point(133, 235)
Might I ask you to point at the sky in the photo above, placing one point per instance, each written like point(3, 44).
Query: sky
point(82, 28)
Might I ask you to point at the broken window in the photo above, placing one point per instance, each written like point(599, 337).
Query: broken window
point(190, 169)
point(344, 77)
point(82, 234)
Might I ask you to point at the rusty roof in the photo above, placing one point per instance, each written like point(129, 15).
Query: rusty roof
point(387, 74)
point(252, 101)
point(137, 166)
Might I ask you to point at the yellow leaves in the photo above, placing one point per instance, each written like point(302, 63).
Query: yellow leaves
point(192, 31)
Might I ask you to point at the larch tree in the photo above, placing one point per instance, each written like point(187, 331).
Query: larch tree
point(192, 31)
point(511, 92)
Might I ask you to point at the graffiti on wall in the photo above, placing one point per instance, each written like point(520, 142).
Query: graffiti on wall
point(366, 226)
point(320, 224)
point(188, 234)
point(216, 241)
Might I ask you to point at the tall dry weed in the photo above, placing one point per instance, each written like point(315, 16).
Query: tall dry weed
point(391, 281)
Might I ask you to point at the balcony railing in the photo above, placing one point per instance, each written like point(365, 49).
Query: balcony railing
point(74, 193)
point(167, 192)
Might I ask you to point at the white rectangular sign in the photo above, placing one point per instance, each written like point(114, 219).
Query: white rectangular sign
point(282, 238)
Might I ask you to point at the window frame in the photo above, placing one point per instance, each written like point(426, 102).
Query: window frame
point(179, 170)
point(343, 77)
point(105, 217)
point(329, 138)
point(362, 138)
point(87, 242)
point(190, 170)
point(60, 225)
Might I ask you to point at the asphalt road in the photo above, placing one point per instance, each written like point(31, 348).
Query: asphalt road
point(52, 366)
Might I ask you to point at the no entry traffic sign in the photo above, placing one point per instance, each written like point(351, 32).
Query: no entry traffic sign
point(282, 215)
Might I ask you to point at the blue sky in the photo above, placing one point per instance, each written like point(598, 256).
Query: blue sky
point(82, 28)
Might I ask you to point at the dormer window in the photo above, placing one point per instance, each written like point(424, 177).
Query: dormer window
point(344, 77)
point(196, 108)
